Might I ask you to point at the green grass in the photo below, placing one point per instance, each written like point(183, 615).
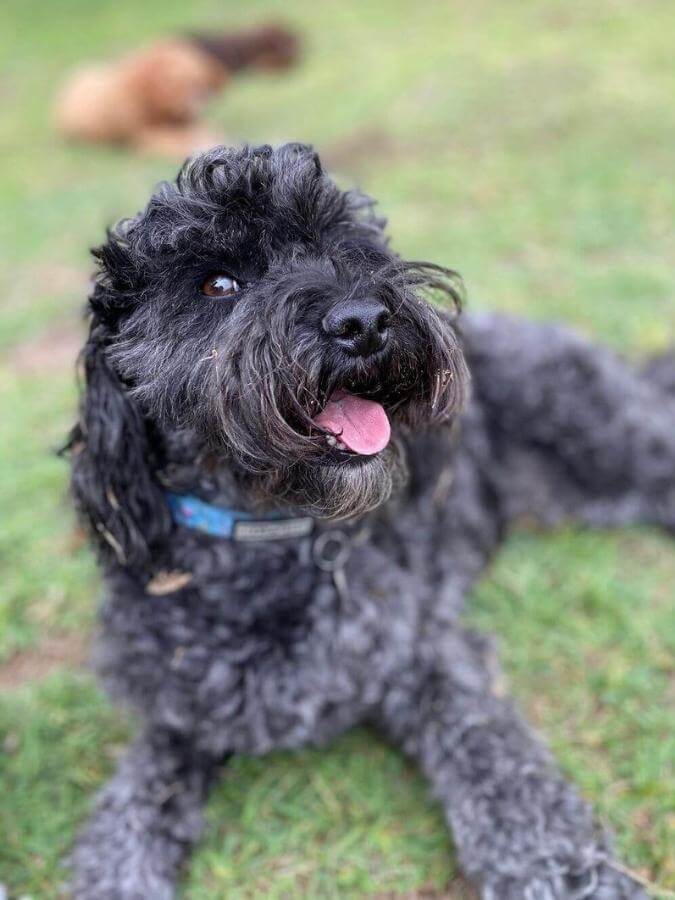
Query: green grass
point(529, 145)
point(59, 742)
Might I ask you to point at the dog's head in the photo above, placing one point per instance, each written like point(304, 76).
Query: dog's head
point(258, 307)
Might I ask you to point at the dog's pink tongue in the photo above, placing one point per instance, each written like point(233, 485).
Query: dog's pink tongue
point(362, 425)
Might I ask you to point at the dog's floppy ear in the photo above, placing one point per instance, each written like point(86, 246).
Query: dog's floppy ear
point(112, 481)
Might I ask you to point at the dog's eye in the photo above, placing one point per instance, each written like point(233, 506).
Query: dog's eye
point(220, 285)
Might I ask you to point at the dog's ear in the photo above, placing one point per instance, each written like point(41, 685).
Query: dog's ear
point(113, 484)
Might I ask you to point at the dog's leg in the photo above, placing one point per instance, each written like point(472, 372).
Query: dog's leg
point(522, 832)
point(144, 823)
point(595, 437)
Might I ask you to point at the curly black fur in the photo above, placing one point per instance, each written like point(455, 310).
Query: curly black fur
point(256, 647)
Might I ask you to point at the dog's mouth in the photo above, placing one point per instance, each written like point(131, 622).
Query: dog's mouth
point(354, 425)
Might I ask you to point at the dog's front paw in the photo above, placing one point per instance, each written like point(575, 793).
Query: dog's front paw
point(613, 884)
point(96, 884)
point(114, 867)
point(600, 883)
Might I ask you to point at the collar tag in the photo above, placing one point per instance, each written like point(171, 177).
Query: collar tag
point(271, 529)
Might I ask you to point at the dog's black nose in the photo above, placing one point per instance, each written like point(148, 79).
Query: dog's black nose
point(361, 327)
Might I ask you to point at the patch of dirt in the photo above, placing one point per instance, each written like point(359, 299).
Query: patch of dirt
point(57, 652)
point(68, 284)
point(359, 146)
point(61, 278)
point(51, 351)
point(374, 146)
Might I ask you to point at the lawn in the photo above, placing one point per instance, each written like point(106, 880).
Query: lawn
point(529, 145)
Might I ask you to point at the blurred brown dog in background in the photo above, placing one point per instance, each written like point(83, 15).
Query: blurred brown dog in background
point(151, 100)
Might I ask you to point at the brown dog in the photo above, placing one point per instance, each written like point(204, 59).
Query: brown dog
point(152, 99)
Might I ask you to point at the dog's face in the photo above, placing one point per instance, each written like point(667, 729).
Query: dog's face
point(258, 306)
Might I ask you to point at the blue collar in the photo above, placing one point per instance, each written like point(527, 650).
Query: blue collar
point(235, 524)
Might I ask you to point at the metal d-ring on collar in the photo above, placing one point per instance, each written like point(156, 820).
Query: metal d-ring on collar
point(331, 550)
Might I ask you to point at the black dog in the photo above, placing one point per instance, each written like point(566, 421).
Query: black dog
point(260, 365)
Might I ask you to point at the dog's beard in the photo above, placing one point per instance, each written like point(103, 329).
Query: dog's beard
point(338, 490)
